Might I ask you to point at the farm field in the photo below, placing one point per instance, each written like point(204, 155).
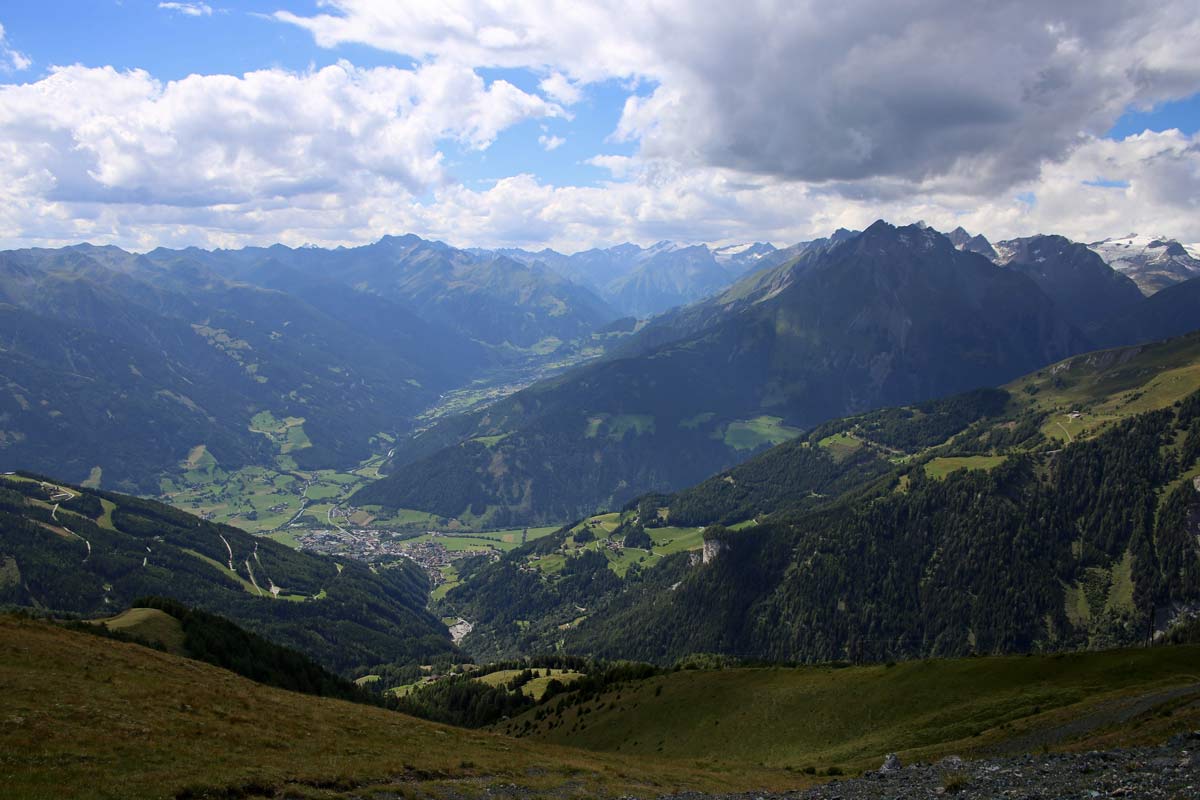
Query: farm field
point(943, 466)
point(841, 445)
point(266, 499)
point(503, 540)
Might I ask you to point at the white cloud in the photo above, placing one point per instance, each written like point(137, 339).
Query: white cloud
point(86, 134)
point(84, 144)
point(647, 200)
point(549, 143)
point(977, 94)
point(188, 9)
point(559, 87)
point(12, 60)
point(779, 120)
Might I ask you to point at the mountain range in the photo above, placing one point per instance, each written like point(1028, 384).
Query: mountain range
point(1153, 262)
point(642, 282)
point(117, 365)
point(858, 321)
point(879, 446)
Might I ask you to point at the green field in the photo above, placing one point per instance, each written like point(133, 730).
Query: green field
point(490, 441)
point(93, 479)
point(616, 426)
point(286, 434)
point(465, 541)
point(106, 520)
point(667, 540)
point(536, 687)
point(941, 467)
point(450, 573)
point(1085, 393)
point(754, 433)
point(673, 540)
point(841, 445)
point(224, 569)
point(263, 500)
point(850, 717)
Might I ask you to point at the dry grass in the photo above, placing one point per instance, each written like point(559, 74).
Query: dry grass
point(87, 717)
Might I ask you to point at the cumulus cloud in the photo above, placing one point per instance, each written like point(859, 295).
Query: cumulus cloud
point(100, 135)
point(645, 201)
point(12, 60)
point(777, 119)
point(561, 88)
point(188, 9)
point(977, 93)
point(651, 200)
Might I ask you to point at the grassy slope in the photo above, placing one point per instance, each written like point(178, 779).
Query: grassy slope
point(941, 467)
point(667, 540)
point(151, 625)
point(87, 717)
point(851, 717)
point(536, 687)
point(1110, 385)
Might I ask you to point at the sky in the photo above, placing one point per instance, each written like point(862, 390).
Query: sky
point(581, 123)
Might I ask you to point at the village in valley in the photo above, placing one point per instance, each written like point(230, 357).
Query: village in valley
point(433, 550)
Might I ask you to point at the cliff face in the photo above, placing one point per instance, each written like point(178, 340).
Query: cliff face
point(712, 549)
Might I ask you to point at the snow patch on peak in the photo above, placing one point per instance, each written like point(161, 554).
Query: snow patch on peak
point(733, 249)
point(1154, 262)
point(746, 253)
point(665, 246)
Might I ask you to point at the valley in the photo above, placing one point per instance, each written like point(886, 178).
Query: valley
point(599, 400)
point(887, 553)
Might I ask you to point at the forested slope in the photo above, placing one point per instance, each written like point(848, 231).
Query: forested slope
point(1056, 513)
point(93, 553)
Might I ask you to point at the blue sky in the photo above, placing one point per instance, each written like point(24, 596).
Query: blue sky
point(240, 37)
point(1181, 114)
point(725, 123)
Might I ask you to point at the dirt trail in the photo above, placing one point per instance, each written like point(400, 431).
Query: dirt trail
point(230, 550)
point(253, 582)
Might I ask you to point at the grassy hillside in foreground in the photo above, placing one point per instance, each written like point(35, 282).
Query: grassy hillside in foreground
point(850, 717)
point(87, 717)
